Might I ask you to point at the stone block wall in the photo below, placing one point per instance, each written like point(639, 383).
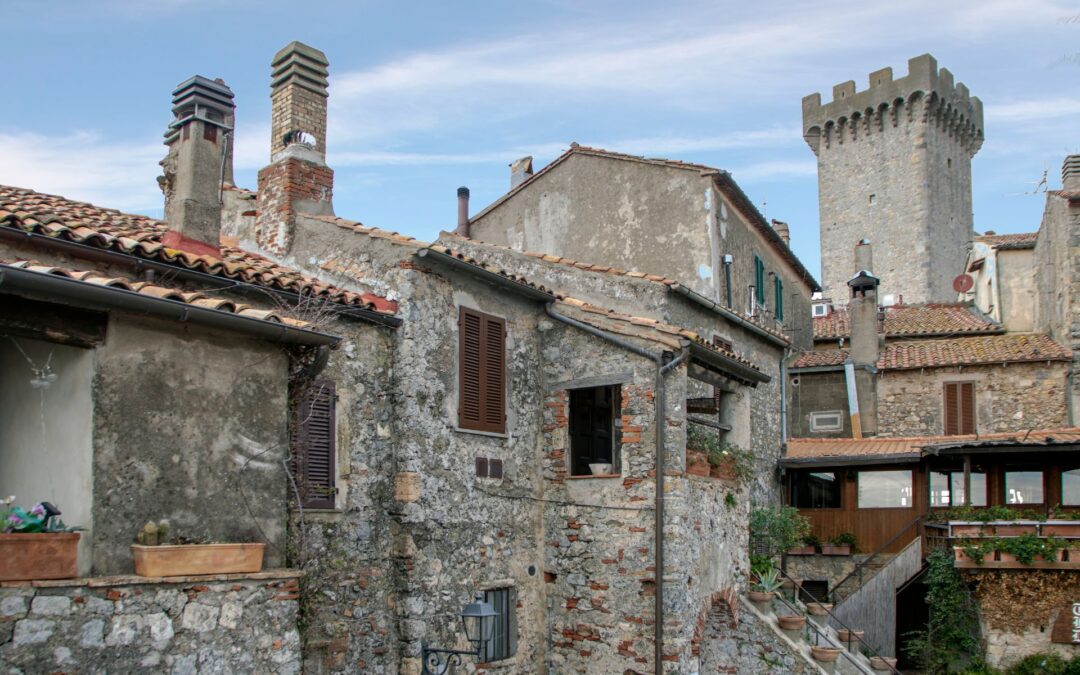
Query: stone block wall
point(736, 639)
point(1014, 397)
point(226, 623)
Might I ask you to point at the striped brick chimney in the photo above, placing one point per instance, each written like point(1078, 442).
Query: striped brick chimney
point(1070, 173)
point(199, 160)
point(297, 180)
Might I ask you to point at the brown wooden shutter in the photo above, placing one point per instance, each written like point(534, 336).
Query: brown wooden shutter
point(959, 408)
point(314, 446)
point(481, 371)
point(717, 392)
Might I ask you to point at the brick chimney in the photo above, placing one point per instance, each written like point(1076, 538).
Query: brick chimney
point(1070, 173)
point(521, 170)
point(297, 180)
point(462, 212)
point(199, 160)
point(865, 347)
point(783, 230)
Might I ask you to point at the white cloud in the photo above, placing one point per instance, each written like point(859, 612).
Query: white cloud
point(84, 166)
point(1033, 110)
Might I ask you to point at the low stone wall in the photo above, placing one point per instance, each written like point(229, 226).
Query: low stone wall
point(231, 623)
point(738, 639)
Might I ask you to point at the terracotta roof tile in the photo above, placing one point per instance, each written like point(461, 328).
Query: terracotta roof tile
point(965, 351)
point(825, 448)
point(154, 290)
point(141, 236)
point(1009, 241)
point(910, 321)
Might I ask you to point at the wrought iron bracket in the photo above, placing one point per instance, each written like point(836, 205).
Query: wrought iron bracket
point(438, 661)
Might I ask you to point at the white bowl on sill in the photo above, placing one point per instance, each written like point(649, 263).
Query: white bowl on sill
point(601, 469)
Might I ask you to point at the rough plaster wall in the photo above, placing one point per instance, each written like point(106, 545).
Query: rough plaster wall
point(646, 218)
point(818, 392)
point(1016, 289)
point(920, 221)
point(1057, 280)
point(1015, 397)
point(179, 412)
point(46, 446)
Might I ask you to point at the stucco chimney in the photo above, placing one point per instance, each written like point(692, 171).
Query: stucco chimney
point(865, 348)
point(783, 230)
point(1070, 173)
point(198, 160)
point(520, 171)
point(297, 181)
point(462, 212)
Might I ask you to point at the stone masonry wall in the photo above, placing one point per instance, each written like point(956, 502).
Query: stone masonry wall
point(1015, 397)
point(1057, 279)
point(736, 640)
point(221, 624)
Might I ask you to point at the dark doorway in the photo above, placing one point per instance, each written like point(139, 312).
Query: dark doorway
point(592, 428)
point(912, 614)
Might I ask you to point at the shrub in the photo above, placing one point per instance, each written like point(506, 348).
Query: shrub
point(951, 641)
point(779, 528)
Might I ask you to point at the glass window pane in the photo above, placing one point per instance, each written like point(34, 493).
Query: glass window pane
point(884, 489)
point(978, 488)
point(940, 488)
point(1023, 487)
point(816, 490)
point(1070, 487)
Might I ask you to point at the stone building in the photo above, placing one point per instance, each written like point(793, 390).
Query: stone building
point(894, 167)
point(1002, 271)
point(679, 220)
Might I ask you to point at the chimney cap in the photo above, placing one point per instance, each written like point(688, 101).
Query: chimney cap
point(463, 191)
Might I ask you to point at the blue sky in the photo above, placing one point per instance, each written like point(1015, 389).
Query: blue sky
point(427, 96)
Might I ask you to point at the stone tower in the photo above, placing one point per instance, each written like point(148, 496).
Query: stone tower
point(894, 168)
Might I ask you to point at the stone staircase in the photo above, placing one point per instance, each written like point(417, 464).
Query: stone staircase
point(868, 570)
point(813, 634)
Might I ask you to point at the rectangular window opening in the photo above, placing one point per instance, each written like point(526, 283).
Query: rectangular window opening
point(826, 420)
point(959, 408)
point(504, 638)
point(594, 419)
point(778, 293)
point(947, 488)
point(481, 371)
point(314, 445)
point(1070, 487)
point(885, 489)
point(759, 280)
point(816, 490)
point(1023, 487)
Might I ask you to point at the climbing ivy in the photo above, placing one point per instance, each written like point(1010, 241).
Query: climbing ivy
point(951, 641)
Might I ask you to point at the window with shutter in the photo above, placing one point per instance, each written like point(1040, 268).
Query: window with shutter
point(959, 407)
point(314, 440)
point(759, 280)
point(778, 292)
point(481, 371)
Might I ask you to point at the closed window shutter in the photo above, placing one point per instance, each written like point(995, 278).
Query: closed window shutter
point(967, 408)
point(314, 446)
point(482, 371)
point(717, 392)
point(959, 408)
point(778, 291)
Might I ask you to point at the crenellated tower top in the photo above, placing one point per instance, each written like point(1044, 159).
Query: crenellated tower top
point(927, 93)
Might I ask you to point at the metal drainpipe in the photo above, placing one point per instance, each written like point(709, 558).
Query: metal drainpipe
point(728, 261)
point(661, 403)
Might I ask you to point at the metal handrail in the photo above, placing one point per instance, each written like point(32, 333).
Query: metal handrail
point(832, 616)
point(861, 566)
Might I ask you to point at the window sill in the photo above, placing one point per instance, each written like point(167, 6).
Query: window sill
point(476, 432)
point(600, 476)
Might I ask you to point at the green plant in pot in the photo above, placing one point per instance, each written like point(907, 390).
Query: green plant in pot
point(844, 543)
point(35, 543)
point(775, 530)
point(766, 587)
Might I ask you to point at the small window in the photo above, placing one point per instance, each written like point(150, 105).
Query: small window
point(947, 488)
point(816, 490)
point(959, 408)
point(821, 309)
point(885, 489)
point(778, 297)
point(759, 280)
point(593, 412)
point(873, 199)
point(503, 642)
point(481, 371)
point(1070, 487)
point(826, 420)
point(1023, 487)
point(314, 440)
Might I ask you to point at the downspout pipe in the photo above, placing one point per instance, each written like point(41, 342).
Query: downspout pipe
point(853, 400)
point(661, 421)
point(728, 261)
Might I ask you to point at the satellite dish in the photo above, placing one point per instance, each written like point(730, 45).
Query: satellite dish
point(963, 283)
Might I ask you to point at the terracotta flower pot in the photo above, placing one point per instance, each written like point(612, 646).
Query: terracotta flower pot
point(802, 550)
point(1067, 529)
point(835, 549)
point(795, 622)
point(697, 463)
point(725, 470)
point(790, 583)
point(1002, 556)
point(958, 554)
point(883, 663)
point(25, 557)
point(761, 596)
point(971, 530)
point(818, 608)
point(825, 654)
point(1014, 530)
point(194, 559)
point(850, 635)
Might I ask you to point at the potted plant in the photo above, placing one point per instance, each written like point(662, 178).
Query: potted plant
point(766, 587)
point(809, 546)
point(35, 543)
point(842, 544)
point(154, 557)
point(818, 608)
point(883, 663)
point(601, 468)
point(777, 529)
point(848, 635)
point(825, 654)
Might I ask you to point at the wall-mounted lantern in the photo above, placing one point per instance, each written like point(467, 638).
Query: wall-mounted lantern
point(478, 618)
